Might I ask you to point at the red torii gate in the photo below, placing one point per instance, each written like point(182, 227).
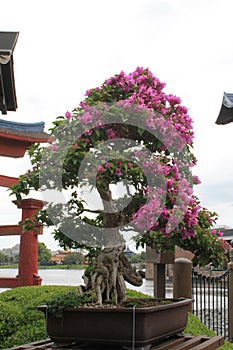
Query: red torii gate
point(15, 139)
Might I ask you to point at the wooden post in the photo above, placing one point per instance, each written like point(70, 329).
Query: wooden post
point(28, 255)
point(230, 297)
point(159, 261)
point(159, 281)
point(182, 279)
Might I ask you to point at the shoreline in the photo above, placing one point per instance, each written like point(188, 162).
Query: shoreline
point(52, 267)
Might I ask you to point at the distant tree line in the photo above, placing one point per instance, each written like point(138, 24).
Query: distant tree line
point(44, 256)
point(138, 258)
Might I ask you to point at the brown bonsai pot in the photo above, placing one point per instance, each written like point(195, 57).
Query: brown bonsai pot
point(120, 326)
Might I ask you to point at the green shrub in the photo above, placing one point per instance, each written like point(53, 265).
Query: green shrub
point(195, 327)
point(20, 321)
point(10, 318)
point(131, 293)
point(26, 334)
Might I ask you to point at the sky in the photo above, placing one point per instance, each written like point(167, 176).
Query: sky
point(67, 47)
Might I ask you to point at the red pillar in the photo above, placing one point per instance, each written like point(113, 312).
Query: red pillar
point(28, 255)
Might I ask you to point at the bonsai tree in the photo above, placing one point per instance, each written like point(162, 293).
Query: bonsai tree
point(121, 163)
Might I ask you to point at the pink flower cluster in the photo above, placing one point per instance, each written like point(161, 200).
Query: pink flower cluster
point(141, 87)
point(147, 217)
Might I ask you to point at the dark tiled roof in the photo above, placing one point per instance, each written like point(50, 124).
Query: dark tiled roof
point(34, 134)
point(32, 130)
point(7, 42)
point(226, 112)
point(128, 252)
point(28, 127)
point(8, 100)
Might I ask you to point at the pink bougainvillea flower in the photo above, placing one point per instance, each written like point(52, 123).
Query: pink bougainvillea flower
point(75, 146)
point(68, 115)
point(100, 169)
point(54, 147)
point(88, 92)
point(196, 180)
point(118, 172)
point(111, 134)
point(87, 118)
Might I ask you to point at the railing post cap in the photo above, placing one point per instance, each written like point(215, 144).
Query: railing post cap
point(183, 261)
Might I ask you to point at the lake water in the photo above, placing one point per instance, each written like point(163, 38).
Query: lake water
point(73, 278)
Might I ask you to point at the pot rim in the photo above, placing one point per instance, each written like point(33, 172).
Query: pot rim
point(176, 302)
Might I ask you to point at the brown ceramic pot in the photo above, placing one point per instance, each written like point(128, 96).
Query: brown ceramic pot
point(123, 326)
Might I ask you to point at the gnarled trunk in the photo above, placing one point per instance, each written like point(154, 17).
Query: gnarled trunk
point(107, 278)
point(111, 268)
